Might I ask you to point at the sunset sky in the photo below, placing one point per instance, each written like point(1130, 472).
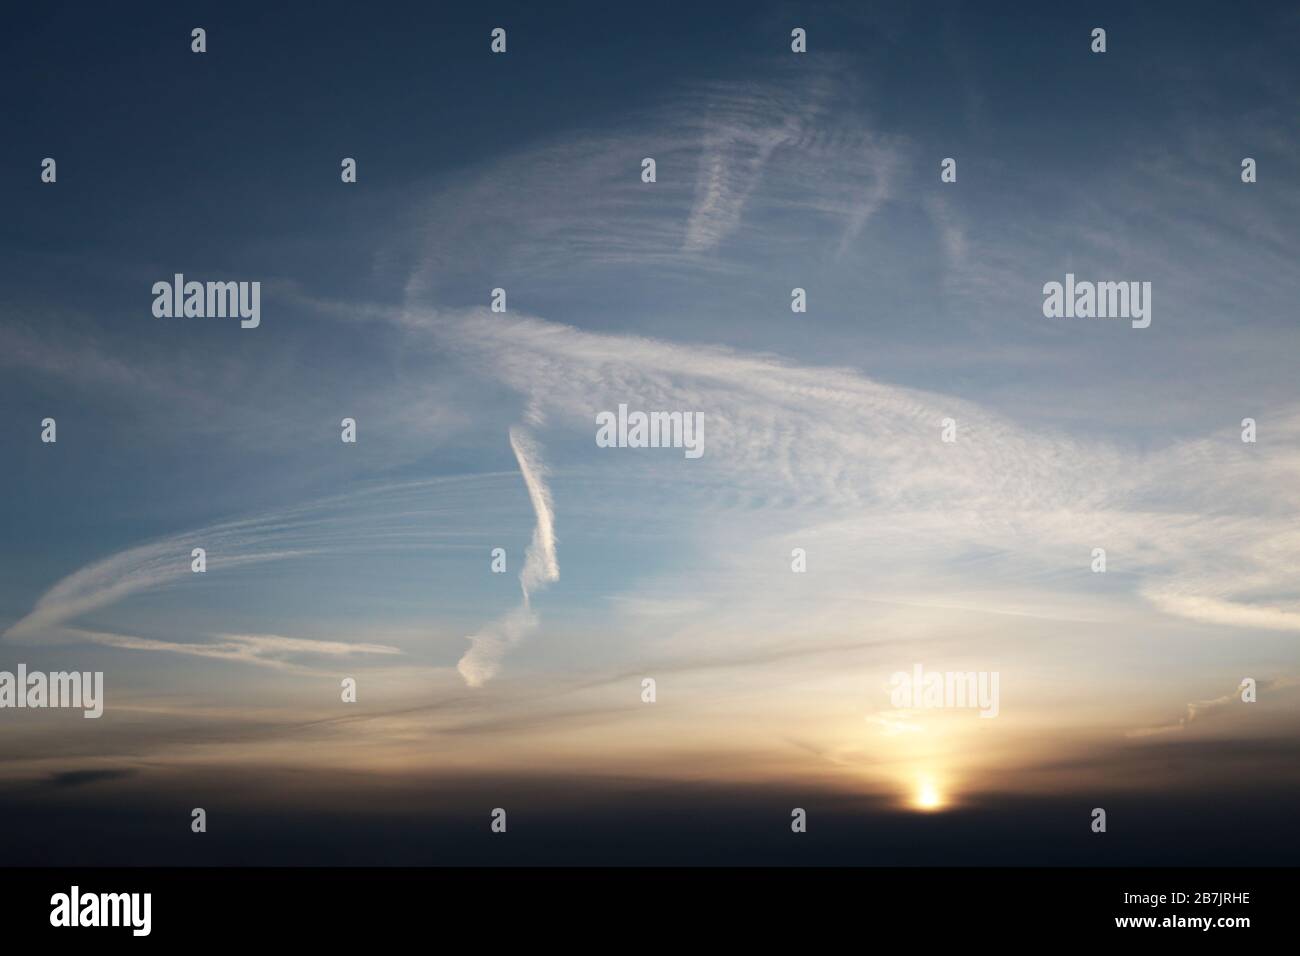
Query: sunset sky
point(822, 432)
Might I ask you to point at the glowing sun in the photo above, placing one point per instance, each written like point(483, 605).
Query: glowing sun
point(928, 797)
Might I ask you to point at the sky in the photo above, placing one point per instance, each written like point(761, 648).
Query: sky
point(822, 431)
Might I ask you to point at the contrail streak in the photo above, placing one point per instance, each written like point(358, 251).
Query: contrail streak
point(489, 646)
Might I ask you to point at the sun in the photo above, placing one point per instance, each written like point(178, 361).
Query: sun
point(928, 797)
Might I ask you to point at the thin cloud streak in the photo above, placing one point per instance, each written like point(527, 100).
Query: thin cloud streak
point(489, 646)
point(268, 650)
point(330, 525)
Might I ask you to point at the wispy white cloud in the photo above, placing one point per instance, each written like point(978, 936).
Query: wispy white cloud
point(1200, 709)
point(824, 455)
point(731, 158)
point(743, 130)
point(540, 564)
point(373, 517)
point(833, 449)
point(270, 650)
point(541, 567)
